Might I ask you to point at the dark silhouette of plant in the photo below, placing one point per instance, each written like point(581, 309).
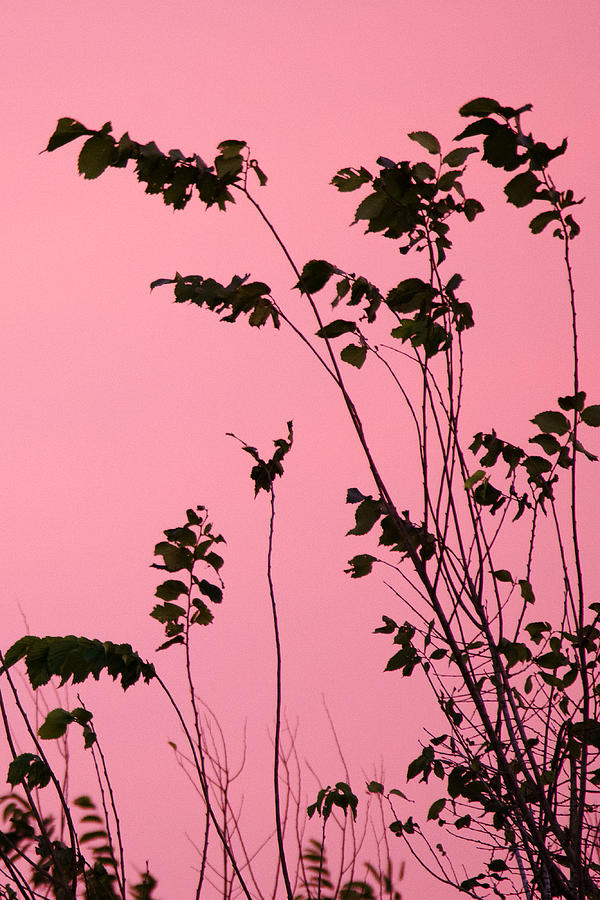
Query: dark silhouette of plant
point(518, 766)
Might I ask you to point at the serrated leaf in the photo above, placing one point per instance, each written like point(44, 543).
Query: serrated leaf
point(171, 590)
point(350, 179)
point(481, 106)
point(168, 612)
point(315, 275)
point(591, 415)
point(547, 442)
point(539, 222)
point(426, 140)
point(552, 421)
point(572, 401)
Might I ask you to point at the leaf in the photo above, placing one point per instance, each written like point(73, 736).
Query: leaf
point(481, 106)
point(55, 724)
point(472, 208)
point(457, 157)
point(175, 558)
point(573, 401)
point(351, 179)
point(96, 155)
point(170, 590)
point(587, 731)
point(426, 140)
point(212, 591)
point(366, 514)
point(539, 222)
point(552, 421)
point(435, 809)
point(375, 787)
point(336, 328)
point(513, 651)
point(579, 446)
point(526, 591)
point(30, 768)
point(536, 630)
point(502, 575)
point(315, 275)
point(522, 189)
point(591, 415)
point(554, 659)
point(168, 612)
point(66, 130)
point(547, 442)
point(474, 478)
point(203, 615)
point(353, 495)
point(76, 658)
point(354, 354)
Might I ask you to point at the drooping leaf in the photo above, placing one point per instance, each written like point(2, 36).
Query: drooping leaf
point(30, 768)
point(76, 658)
point(212, 591)
point(474, 478)
point(366, 514)
point(526, 591)
point(203, 615)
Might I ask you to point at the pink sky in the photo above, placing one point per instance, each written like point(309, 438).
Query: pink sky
point(116, 403)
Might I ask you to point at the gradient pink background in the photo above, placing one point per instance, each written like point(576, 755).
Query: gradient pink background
point(116, 404)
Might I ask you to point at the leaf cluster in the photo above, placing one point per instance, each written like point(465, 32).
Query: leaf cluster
point(75, 659)
point(172, 175)
point(184, 548)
